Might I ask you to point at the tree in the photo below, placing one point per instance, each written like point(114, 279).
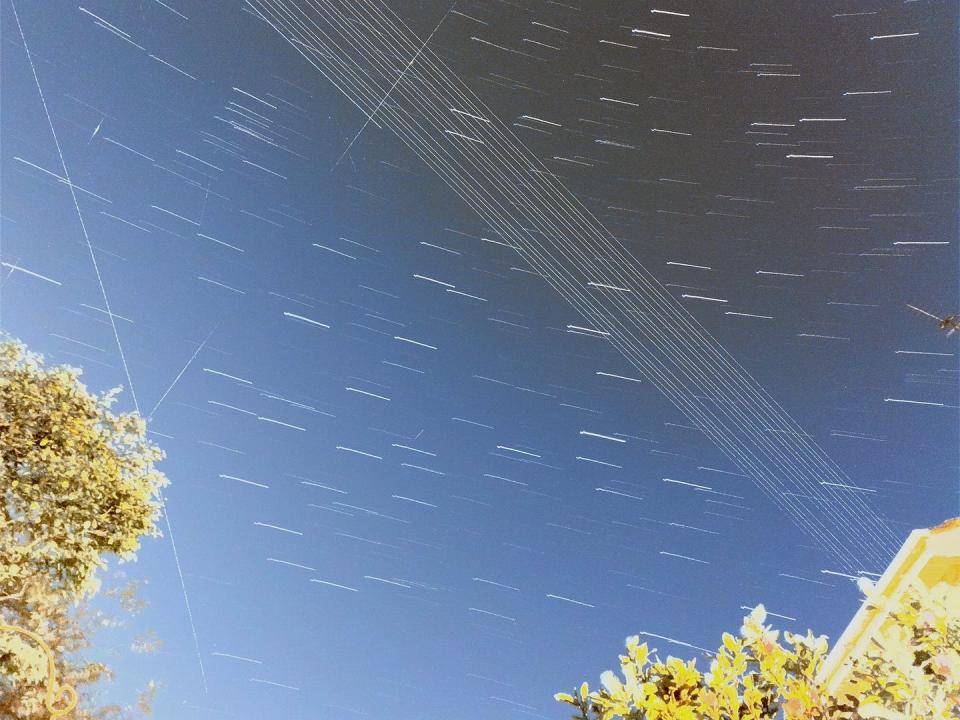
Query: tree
point(78, 484)
point(68, 631)
point(78, 481)
point(914, 675)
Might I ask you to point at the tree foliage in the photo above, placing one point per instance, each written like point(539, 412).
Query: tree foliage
point(913, 671)
point(78, 484)
point(70, 631)
point(913, 675)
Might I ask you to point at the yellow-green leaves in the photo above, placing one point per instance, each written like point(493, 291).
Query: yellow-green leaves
point(77, 485)
point(78, 482)
point(730, 643)
point(914, 676)
point(915, 673)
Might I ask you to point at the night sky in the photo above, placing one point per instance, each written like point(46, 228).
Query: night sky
point(410, 479)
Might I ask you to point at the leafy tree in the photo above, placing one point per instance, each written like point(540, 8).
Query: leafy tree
point(69, 631)
point(913, 675)
point(77, 485)
point(78, 481)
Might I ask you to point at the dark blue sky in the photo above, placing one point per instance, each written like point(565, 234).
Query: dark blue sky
point(435, 488)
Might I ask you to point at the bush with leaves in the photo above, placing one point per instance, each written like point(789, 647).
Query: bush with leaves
point(913, 675)
point(913, 671)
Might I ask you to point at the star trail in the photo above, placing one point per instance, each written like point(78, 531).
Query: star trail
point(481, 335)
